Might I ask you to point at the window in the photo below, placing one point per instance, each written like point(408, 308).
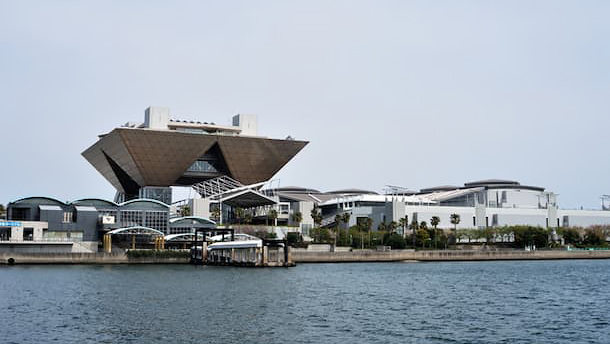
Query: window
point(28, 234)
point(67, 217)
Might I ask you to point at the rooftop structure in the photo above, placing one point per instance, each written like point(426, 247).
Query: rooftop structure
point(144, 159)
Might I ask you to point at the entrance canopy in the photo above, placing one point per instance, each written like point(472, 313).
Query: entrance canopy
point(247, 199)
point(136, 230)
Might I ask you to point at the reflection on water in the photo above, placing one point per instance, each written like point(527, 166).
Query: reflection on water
point(459, 302)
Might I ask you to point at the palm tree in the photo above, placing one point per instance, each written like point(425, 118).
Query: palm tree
point(455, 220)
point(403, 222)
point(365, 224)
point(392, 226)
point(338, 219)
point(185, 211)
point(434, 221)
point(414, 226)
point(297, 217)
point(345, 218)
point(316, 216)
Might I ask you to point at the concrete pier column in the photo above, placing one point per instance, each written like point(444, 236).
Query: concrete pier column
point(265, 257)
point(204, 252)
point(107, 243)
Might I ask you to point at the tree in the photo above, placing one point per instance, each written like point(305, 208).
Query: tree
point(316, 216)
point(529, 235)
point(297, 217)
point(248, 218)
point(185, 211)
point(2, 210)
point(414, 226)
point(395, 240)
point(345, 218)
point(392, 226)
point(455, 220)
point(594, 237)
point(434, 221)
point(366, 224)
point(239, 214)
point(421, 236)
point(337, 223)
point(403, 223)
point(216, 213)
point(571, 236)
point(272, 214)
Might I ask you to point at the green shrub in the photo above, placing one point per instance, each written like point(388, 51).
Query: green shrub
point(530, 235)
point(396, 241)
point(293, 237)
point(571, 236)
point(594, 237)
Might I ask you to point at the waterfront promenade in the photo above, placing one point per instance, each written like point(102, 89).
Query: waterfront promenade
point(303, 256)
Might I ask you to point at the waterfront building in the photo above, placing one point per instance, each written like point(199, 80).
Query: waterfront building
point(480, 204)
point(143, 160)
point(45, 224)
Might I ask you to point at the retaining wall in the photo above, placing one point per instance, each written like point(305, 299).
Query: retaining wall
point(301, 256)
point(83, 258)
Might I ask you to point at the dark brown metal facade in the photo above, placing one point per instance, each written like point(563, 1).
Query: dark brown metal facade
point(132, 158)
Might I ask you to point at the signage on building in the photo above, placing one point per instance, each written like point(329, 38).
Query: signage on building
point(107, 220)
point(10, 224)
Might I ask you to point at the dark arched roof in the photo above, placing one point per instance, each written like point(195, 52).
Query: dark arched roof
point(439, 188)
point(352, 192)
point(94, 202)
point(296, 189)
point(491, 182)
point(48, 199)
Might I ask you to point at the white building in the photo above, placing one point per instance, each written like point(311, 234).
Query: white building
point(480, 204)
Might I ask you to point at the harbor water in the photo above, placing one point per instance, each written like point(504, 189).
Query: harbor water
point(458, 302)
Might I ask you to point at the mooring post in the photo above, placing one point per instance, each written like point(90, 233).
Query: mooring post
point(286, 252)
point(265, 255)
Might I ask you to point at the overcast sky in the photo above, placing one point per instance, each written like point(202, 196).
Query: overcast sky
point(410, 93)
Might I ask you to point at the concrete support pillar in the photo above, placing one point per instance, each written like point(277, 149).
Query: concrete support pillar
point(107, 243)
point(204, 252)
point(133, 241)
point(265, 257)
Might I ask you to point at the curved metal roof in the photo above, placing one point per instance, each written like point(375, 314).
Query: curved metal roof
point(137, 230)
point(192, 221)
point(144, 200)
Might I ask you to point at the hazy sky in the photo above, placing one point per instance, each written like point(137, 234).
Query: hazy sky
point(411, 93)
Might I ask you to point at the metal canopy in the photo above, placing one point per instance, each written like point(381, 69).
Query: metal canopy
point(136, 230)
point(248, 199)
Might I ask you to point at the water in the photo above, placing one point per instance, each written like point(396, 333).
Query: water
point(459, 302)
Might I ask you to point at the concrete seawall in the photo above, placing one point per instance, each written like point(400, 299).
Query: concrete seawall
point(83, 258)
point(392, 256)
point(301, 256)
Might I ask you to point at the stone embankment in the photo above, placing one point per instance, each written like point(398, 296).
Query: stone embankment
point(304, 256)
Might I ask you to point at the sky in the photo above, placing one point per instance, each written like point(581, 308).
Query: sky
point(408, 93)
